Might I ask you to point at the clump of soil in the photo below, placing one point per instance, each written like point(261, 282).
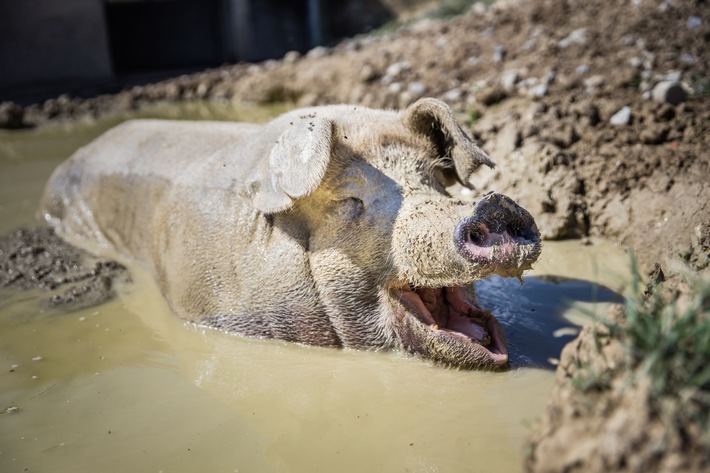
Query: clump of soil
point(632, 393)
point(36, 258)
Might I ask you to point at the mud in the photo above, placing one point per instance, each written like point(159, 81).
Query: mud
point(36, 258)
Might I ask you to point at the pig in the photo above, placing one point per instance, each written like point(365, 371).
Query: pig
point(328, 226)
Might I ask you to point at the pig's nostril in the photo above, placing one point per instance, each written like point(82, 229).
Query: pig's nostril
point(517, 230)
point(476, 236)
point(477, 233)
point(513, 230)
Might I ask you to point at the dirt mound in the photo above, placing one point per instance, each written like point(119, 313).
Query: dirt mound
point(36, 258)
point(633, 392)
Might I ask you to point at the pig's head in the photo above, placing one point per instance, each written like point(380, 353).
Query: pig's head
point(391, 253)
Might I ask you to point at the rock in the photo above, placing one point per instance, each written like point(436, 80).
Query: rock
point(668, 92)
point(538, 91)
point(416, 89)
point(499, 53)
point(672, 76)
point(509, 79)
point(636, 62)
point(291, 57)
point(694, 22)
point(622, 117)
point(318, 51)
point(451, 96)
point(394, 70)
point(688, 58)
point(11, 115)
point(394, 87)
point(579, 36)
point(595, 81)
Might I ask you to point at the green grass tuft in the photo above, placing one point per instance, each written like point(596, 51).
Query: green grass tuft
point(667, 342)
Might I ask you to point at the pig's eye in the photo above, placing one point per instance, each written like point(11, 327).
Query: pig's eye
point(445, 173)
point(352, 207)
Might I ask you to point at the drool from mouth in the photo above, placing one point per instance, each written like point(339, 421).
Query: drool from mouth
point(453, 318)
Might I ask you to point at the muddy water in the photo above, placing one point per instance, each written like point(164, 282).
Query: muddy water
point(126, 387)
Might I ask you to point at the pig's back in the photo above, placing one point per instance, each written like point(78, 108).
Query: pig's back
point(107, 194)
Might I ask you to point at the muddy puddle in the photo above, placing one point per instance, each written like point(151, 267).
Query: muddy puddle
point(124, 386)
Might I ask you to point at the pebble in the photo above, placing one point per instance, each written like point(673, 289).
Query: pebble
point(687, 58)
point(528, 83)
point(291, 57)
point(367, 73)
point(318, 51)
point(508, 79)
point(539, 90)
point(673, 76)
point(582, 69)
point(579, 36)
point(694, 22)
point(622, 117)
point(37, 358)
point(453, 95)
point(394, 87)
point(499, 53)
point(393, 70)
point(595, 81)
point(417, 89)
point(668, 92)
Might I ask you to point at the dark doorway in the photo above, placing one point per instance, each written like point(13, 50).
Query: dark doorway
point(279, 26)
point(150, 35)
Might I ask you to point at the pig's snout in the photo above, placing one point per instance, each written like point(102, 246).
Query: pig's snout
point(500, 232)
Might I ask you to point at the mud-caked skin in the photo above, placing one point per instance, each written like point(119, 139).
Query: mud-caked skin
point(328, 226)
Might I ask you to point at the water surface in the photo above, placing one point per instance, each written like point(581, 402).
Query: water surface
point(124, 386)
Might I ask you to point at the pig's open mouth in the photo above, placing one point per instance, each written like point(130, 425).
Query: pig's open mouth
point(452, 318)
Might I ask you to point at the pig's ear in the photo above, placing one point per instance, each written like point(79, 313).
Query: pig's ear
point(435, 119)
point(296, 166)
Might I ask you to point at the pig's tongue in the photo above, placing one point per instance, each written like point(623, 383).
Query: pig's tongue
point(449, 309)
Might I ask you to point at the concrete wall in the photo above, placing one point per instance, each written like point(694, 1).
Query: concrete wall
point(44, 41)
